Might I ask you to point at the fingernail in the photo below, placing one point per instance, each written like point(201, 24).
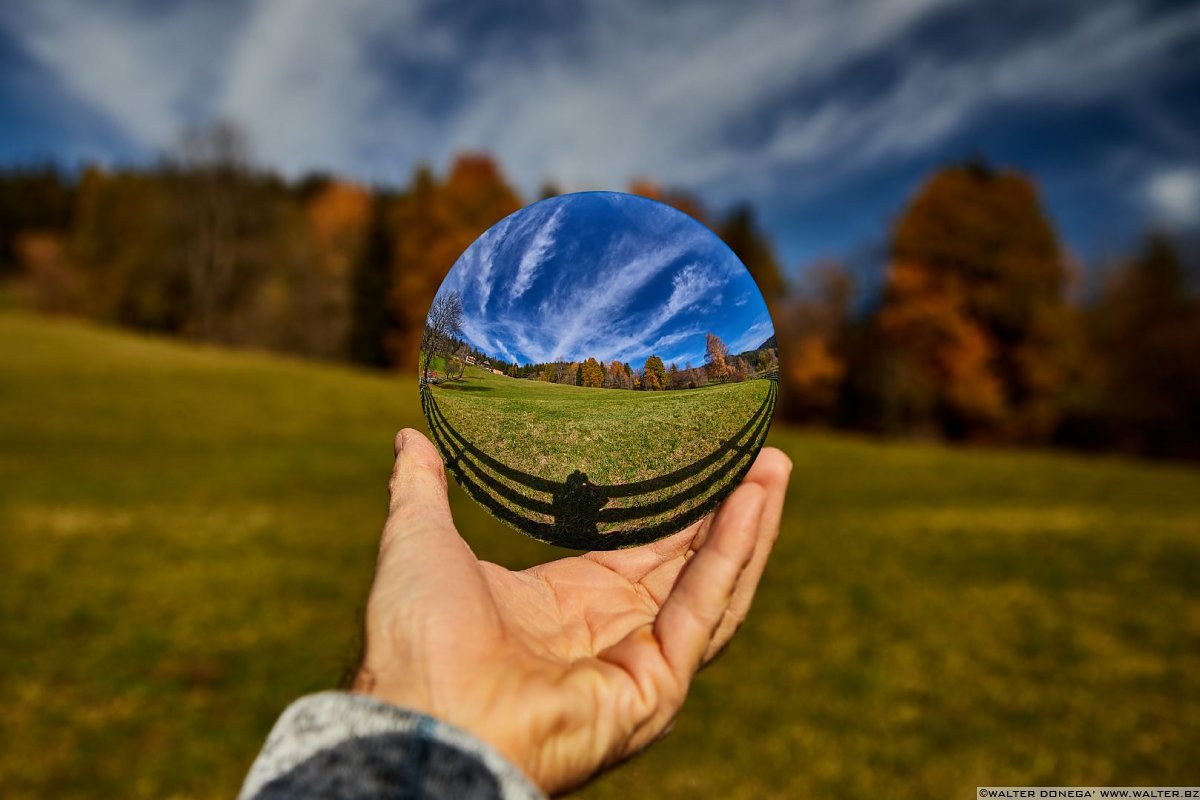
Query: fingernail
point(400, 441)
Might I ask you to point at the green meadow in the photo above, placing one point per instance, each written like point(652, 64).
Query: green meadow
point(614, 436)
point(188, 534)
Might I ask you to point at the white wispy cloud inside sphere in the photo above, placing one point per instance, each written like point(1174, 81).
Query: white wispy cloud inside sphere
point(535, 254)
point(605, 276)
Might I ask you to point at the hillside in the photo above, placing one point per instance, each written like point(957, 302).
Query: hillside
point(189, 533)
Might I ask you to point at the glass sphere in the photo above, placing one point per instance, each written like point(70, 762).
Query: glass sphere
point(599, 370)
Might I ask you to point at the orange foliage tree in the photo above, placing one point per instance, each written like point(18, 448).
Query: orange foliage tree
point(812, 325)
point(339, 214)
point(973, 307)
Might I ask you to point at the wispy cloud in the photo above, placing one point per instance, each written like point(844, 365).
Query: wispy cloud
point(147, 74)
point(716, 95)
point(582, 317)
point(480, 259)
point(689, 286)
point(603, 276)
point(539, 246)
point(776, 101)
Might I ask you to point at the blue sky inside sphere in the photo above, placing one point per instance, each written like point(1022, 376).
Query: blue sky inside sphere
point(605, 275)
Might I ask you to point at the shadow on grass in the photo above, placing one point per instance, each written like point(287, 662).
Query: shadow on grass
point(577, 506)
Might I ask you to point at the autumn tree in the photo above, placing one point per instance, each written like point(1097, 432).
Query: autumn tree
point(618, 376)
point(434, 223)
point(338, 216)
point(947, 354)
point(974, 307)
point(591, 374)
point(813, 324)
point(715, 354)
point(768, 360)
point(654, 375)
point(610, 375)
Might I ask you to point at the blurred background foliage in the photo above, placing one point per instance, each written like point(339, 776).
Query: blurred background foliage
point(977, 327)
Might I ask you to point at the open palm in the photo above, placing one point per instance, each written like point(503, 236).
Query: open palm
point(568, 667)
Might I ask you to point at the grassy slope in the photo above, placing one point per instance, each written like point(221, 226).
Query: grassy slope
point(615, 436)
point(188, 534)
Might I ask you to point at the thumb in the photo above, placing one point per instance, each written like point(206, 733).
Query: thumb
point(418, 484)
point(419, 526)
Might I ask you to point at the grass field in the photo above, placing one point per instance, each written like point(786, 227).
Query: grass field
point(188, 535)
point(615, 437)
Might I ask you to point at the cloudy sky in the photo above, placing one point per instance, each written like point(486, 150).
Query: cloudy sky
point(607, 276)
point(824, 113)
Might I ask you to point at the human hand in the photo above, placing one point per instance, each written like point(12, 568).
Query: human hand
point(568, 667)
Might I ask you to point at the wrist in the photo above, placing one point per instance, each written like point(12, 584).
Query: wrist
point(399, 694)
point(381, 687)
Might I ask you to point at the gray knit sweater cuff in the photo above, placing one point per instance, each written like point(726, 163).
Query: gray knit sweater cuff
point(338, 744)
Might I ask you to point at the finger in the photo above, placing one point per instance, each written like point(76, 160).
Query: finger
point(695, 607)
point(771, 470)
point(428, 585)
point(419, 522)
point(660, 659)
point(418, 482)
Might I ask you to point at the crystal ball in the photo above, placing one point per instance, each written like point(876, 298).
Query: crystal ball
point(598, 370)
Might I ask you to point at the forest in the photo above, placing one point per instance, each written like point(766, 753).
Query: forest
point(977, 324)
point(720, 366)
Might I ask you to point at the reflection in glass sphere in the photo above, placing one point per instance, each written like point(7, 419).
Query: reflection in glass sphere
point(598, 370)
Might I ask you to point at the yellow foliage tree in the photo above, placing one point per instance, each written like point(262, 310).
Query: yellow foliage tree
point(591, 374)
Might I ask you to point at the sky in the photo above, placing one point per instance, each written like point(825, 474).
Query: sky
point(608, 276)
point(825, 114)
